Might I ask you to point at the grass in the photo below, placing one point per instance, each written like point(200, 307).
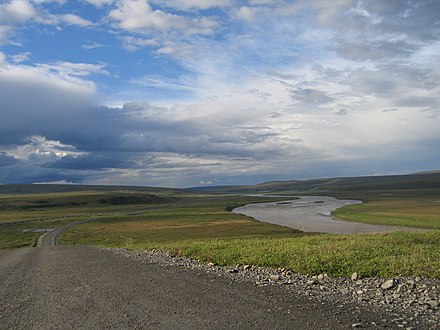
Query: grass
point(26, 234)
point(202, 226)
point(14, 238)
point(391, 254)
point(420, 212)
point(181, 222)
point(52, 205)
point(203, 229)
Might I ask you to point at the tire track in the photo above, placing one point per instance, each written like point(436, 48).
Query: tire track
point(51, 238)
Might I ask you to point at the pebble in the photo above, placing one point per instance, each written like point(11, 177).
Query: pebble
point(354, 276)
point(432, 303)
point(275, 277)
point(388, 284)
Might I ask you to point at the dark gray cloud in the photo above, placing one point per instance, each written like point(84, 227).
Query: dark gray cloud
point(364, 49)
point(384, 29)
point(6, 160)
point(96, 161)
point(342, 112)
point(310, 96)
point(22, 172)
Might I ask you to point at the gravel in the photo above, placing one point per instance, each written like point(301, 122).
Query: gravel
point(410, 302)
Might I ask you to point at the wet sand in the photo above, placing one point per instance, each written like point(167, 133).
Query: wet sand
point(312, 214)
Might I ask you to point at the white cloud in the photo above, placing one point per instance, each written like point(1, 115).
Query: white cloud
point(13, 13)
point(139, 16)
point(131, 43)
point(92, 45)
point(22, 57)
point(5, 32)
point(69, 69)
point(246, 13)
point(39, 148)
point(61, 2)
point(16, 11)
point(194, 4)
point(2, 58)
point(72, 19)
point(100, 3)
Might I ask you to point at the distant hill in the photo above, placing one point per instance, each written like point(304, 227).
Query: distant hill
point(427, 182)
point(57, 188)
point(337, 186)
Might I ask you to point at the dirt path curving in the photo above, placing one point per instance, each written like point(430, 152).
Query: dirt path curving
point(51, 237)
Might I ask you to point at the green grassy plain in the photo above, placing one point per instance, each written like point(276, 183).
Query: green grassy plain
point(203, 229)
point(49, 210)
point(420, 212)
point(201, 226)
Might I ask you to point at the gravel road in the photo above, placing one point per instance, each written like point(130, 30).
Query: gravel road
point(84, 288)
point(312, 214)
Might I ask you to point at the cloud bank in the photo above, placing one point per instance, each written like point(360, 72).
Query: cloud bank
point(246, 92)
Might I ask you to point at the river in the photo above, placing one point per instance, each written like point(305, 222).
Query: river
point(311, 214)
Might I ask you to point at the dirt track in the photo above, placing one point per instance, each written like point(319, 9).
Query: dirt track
point(61, 287)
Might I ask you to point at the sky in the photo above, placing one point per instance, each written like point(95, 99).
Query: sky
point(182, 93)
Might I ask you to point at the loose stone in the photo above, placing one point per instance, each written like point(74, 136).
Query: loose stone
point(354, 276)
point(432, 303)
point(275, 277)
point(388, 284)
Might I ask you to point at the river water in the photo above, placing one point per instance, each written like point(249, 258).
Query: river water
point(311, 214)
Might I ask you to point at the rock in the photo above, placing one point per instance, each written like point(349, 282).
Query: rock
point(354, 276)
point(275, 277)
point(320, 276)
point(211, 264)
point(247, 267)
point(359, 282)
point(417, 279)
point(388, 284)
point(312, 282)
point(234, 270)
point(432, 303)
point(356, 325)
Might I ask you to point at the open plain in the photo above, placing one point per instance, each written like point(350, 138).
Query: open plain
point(182, 259)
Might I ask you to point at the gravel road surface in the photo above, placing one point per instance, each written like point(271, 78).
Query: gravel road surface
point(78, 287)
point(312, 214)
